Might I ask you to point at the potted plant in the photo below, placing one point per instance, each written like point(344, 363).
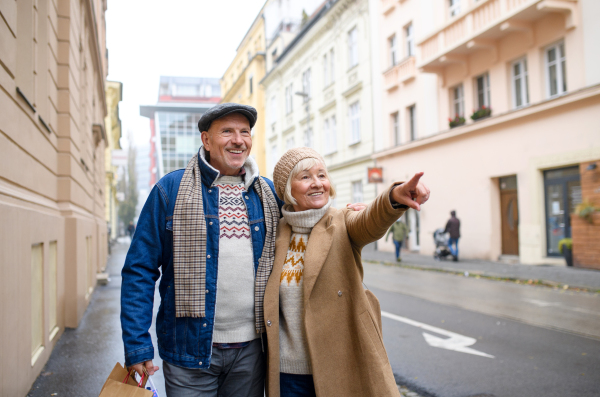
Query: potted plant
point(586, 211)
point(481, 113)
point(565, 247)
point(456, 121)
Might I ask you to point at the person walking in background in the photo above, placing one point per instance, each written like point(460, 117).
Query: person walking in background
point(453, 227)
point(131, 229)
point(399, 231)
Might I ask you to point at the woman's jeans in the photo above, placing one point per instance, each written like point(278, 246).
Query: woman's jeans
point(453, 246)
point(398, 245)
point(292, 385)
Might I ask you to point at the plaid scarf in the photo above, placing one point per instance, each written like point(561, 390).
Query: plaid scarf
point(189, 246)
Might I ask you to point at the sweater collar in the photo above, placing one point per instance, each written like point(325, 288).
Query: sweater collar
point(303, 221)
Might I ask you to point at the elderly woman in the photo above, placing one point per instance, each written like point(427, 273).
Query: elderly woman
point(323, 327)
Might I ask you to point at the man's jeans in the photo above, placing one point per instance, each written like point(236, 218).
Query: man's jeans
point(232, 373)
point(398, 245)
point(292, 385)
point(453, 246)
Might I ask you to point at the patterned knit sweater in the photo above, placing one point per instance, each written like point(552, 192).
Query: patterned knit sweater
point(294, 357)
point(234, 317)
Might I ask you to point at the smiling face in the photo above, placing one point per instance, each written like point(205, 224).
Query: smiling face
point(310, 188)
point(229, 141)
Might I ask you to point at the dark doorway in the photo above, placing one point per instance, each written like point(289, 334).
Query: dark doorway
point(509, 207)
point(562, 188)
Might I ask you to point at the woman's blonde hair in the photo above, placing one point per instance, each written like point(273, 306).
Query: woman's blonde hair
point(304, 165)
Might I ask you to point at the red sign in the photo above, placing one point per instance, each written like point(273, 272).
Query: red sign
point(375, 174)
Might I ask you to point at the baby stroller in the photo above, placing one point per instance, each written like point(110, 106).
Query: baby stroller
point(441, 245)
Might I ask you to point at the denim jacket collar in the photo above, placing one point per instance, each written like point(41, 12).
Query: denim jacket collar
point(210, 173)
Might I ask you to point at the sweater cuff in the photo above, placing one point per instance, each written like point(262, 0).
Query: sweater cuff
point(396, 205)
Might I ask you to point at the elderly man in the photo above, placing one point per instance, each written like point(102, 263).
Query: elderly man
point(209, 230)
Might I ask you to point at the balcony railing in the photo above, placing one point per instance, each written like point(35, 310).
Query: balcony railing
point(399, 74)
point(484, 23)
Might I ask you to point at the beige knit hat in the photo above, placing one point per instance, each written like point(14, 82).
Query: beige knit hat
point(286, 164)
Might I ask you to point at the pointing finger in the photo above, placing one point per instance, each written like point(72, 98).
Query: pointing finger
point(414, 181)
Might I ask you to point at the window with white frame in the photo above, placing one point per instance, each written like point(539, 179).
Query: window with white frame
point(308, 137)
point(395, 119)
point(329, 129)
point(520, 83)
point(273, 110)
point(357, 192)
point(412, 122)
point(410, 40)
point(353, 47)
point(290, 143)
point(274, 156)
point(482, 85)
point(393, 50)
point(354, 116)
point(556, 69)
point(331, 66)
point(306, 84)
point(458, 101)
point(454, 7)
point(289, 98)
point(325, 71)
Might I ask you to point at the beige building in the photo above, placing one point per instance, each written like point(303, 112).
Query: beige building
point(114, 95)
point(319, 94)
point(514, 112)
point(52, 176)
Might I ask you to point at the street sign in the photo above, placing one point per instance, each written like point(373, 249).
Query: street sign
point(375, 174)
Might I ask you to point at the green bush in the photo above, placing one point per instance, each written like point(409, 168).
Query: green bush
point(565, 242)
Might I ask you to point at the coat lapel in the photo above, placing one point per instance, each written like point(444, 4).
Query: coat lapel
point(319, 244)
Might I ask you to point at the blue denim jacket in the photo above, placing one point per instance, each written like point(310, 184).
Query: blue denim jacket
point(184, 341)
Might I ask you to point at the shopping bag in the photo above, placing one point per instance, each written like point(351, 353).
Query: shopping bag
point(122, 383)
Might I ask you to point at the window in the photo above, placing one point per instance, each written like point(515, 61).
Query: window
point(520, 83)
point(332, 66)
point(250, 84)
point(274, 157)
point(37, 300)
point(556, 69)
point(458, 101)
point(410, 40)
point(412, 122)
point(393, 53)
point(396, 129)
point(483, 91)
point(357, 192)
point(289, 143)
point(330, 132)
point(354, 113)
point(273, 110)
point(325, 71)
point(308, 137)
point(353, 47)
point(289, 98)
point(306, 84)
point(562, 194)
point(454, 7)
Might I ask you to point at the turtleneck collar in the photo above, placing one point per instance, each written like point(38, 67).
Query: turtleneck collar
point(303, 221)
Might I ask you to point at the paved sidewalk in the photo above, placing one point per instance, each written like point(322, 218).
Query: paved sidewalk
point(84, 356)
point(571, 276)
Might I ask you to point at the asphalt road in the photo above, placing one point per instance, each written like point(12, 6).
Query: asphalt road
point(542, 348)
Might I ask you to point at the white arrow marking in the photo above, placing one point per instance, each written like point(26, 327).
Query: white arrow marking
point(456, 342)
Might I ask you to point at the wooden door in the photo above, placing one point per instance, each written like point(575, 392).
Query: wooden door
point(510, 222)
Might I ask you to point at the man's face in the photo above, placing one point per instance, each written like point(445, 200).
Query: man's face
point(229, 141)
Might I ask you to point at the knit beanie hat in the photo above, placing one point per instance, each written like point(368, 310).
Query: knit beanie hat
point(286, 164)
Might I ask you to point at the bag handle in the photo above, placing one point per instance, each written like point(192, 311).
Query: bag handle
point(133, 377)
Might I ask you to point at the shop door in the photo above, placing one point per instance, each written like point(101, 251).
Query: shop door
point(509, 207)
point(563, 192)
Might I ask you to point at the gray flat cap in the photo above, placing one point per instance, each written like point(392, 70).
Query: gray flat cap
point(224, 109)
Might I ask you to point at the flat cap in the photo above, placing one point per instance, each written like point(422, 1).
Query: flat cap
point(223, 109)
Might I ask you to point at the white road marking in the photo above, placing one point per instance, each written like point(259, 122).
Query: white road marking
point(455, 342)
point(541, 303)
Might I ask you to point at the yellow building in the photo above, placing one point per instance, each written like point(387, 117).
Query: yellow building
point(114, 95)
point(240, 83)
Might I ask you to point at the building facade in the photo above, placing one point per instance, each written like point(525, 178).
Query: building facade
point(52, 176)
point(517, 90)
point(174, 135)
point(319, 94)
point(112, 121)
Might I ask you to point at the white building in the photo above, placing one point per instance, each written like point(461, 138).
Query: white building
point(318, 92)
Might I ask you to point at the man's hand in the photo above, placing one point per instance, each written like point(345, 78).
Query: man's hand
point(356, 206)
point(412, 193)
point(139, 368)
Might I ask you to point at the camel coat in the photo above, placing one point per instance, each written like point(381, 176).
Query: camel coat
point(342, 319)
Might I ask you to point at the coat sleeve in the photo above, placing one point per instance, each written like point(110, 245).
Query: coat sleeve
point(370, 224)
point(139, 275)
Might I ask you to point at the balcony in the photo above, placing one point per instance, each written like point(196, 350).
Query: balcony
point(400, 74)
point(485, 22)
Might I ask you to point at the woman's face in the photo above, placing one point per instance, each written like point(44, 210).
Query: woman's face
point(310, 188)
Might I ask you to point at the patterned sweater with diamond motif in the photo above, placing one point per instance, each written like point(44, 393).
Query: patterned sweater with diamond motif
point(234, 317)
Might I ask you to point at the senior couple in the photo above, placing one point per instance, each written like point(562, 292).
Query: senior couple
point(260, 282)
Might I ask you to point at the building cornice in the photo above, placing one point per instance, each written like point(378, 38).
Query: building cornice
point(97, 55)
point(362, 159)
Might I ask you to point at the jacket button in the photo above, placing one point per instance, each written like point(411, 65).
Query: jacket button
point(200, 363)
point(207, 291)
point(247, 198)
point(204, 325)
point(339, 293)
point(210, 223)
point(210, 190)
point(256, 228)
point(268, 323)
point(208, 256)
